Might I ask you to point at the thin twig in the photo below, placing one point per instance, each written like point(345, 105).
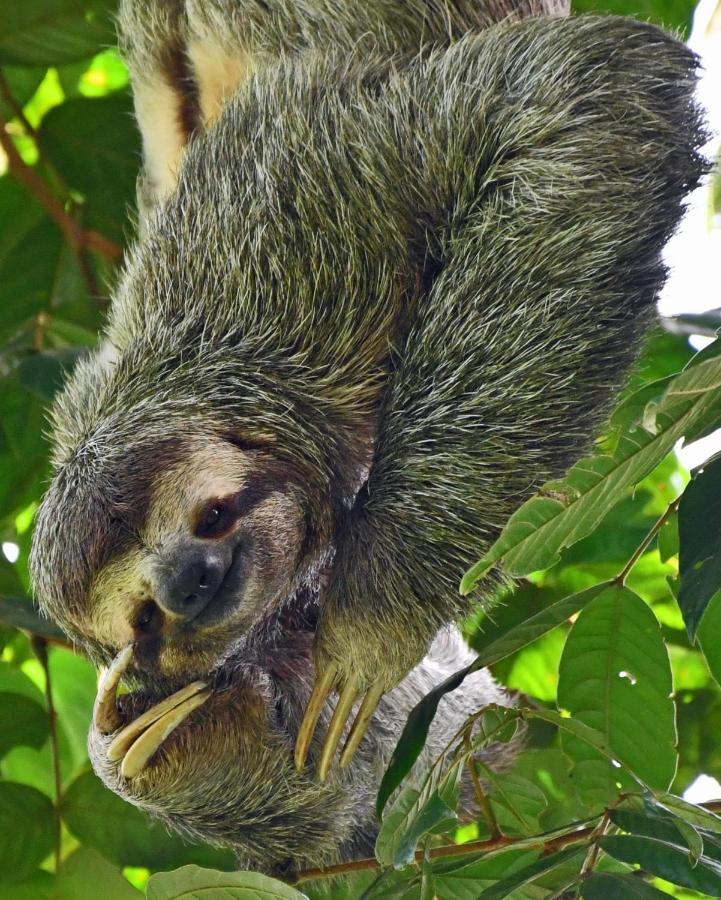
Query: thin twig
point(78, 238)
point(8, 96)
point(481, 798)
point(40, 648)
point(643, 546)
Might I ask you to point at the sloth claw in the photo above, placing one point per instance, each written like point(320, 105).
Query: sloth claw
point(321, 691)
point(350, 693)
point(150, 740)
point(106, 717)
point(139, 740)
point(361, 723)
point(123, 742)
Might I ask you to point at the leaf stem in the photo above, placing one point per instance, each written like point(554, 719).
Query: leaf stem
point(643, 546)
point(481, 798)
point(40, 648)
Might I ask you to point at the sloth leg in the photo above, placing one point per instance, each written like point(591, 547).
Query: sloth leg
point(135, 744)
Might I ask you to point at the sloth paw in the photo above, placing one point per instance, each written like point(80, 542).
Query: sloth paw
point(133, 746)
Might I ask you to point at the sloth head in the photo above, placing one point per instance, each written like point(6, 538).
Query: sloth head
point(178, 540)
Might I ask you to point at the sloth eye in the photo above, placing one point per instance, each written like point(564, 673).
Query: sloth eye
point(215, 520)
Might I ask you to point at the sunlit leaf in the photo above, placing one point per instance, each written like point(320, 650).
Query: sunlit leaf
point(615, 677)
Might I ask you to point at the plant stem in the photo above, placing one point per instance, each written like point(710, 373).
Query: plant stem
point(40, 648)
point(643, 546)
point(481, 798)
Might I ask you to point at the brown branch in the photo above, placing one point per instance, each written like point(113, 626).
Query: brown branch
point(8, 96)
point(40, 648)
point(78, 238)
point(577, 836)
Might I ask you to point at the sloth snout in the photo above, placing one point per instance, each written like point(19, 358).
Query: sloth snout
point(190, 577)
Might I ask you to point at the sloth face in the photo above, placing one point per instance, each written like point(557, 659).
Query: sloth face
point(184, 562)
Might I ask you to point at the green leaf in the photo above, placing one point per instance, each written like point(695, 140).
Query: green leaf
point(665, 860)
point(50, 32)
point(193, 883)
point(39, 886)
point(564, 512)
point(615, 676)
point(516, 801)
point(19, 613)
point(43, 373)
point(663, 827)
point(125, 835)
point(82, 874)
point(417, 813)
point(95, 146)
point(463, 880)
point(74, 688)
point(668, 539)
point(690, 812)
point(421, 716)
point(507, 885)
point(27, 826)
point(602, 886)
point(23, 722)
point(708, 636)
point(699, 544)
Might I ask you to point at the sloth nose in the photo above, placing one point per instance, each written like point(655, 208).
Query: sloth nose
point(190, 576)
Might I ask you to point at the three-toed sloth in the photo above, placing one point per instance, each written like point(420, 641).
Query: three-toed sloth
point(379, 299)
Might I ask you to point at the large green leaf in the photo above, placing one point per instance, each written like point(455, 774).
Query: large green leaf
point(23, 722)
point(709, 636)
point(86, 875)
point(464, 880)
point(671, 13)
point(123, 834)
point(529, 873)
point(615, 677)
point(608, 886)
point(27, 826)
point(564, 512)
point(95, 146)
point(665, 860)
point(49, 32)
point(194, 883)
point(421, 716)
point(699, 529)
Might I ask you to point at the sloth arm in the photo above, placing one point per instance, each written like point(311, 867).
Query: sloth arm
point(542, 284)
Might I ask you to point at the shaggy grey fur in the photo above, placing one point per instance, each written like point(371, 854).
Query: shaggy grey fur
point(451, 260)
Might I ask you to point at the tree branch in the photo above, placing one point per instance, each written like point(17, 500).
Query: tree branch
point(577, 836)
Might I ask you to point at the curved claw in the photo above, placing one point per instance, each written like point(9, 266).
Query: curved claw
point(348, 697)
point(320, 693)
point(362, 721)
point(150, 740)
point(106, 717)
point(122, 743)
